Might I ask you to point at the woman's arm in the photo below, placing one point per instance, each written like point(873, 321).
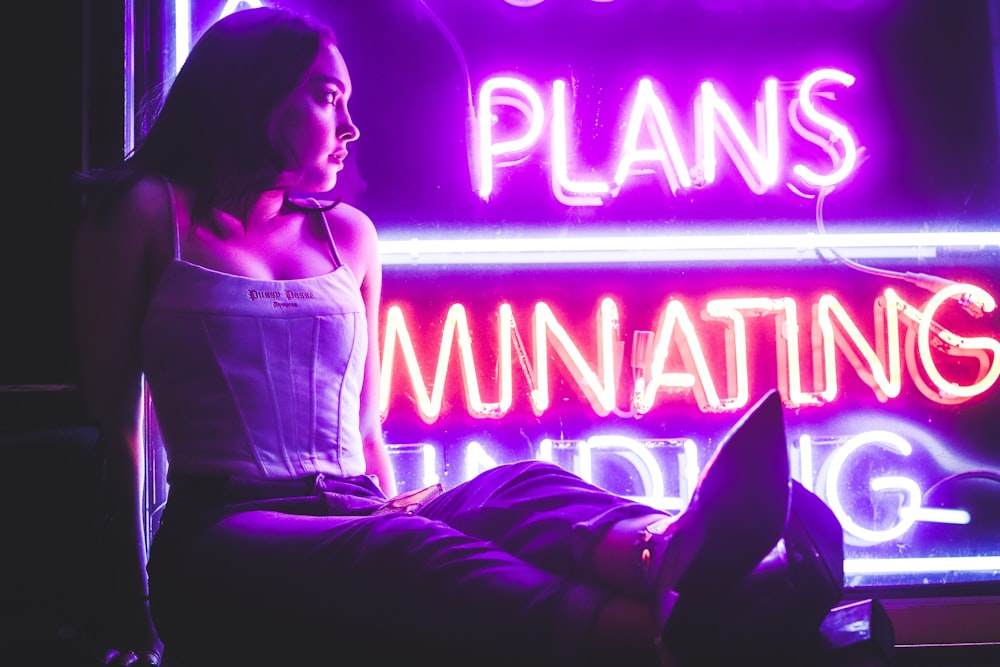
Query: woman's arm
point(357, 243)
point(376, 452)
point(112, 272)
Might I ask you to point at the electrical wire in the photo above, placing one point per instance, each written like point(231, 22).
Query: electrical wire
point(925, 281)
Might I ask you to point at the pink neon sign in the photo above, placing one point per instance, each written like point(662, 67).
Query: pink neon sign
point(932, 355)
point(652, 141)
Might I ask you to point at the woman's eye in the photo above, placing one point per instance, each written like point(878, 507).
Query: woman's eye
point(331, 96)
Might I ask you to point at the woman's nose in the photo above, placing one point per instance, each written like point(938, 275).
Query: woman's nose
point(347, 131)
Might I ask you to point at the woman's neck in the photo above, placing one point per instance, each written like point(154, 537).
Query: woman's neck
point(262, 215)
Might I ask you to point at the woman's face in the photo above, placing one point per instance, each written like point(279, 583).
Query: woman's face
point(313, 126)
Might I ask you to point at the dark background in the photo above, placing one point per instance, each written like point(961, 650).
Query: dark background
point(67, 114)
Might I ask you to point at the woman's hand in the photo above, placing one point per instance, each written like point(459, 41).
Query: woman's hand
point(132, 659)
point(133, 638)
point(119, 250)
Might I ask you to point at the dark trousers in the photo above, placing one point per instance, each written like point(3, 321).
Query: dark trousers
point(493, 571)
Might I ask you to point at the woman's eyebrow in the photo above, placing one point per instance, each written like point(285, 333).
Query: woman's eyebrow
point(325, 79)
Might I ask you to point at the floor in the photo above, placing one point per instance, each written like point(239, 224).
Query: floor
point(946, 632)
point(32, 646)
point(978, 655)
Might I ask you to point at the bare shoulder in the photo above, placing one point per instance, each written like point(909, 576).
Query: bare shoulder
point(144, 201)
point(136, 220)
point(351, 222)
point(353, 232)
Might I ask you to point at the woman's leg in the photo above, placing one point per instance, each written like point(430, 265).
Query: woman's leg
point(504, 563)
point(555, 519)
point(684, 567)
point(539, 512)
point(373, 589)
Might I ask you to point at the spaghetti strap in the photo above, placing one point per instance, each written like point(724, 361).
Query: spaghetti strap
point(329, 234)
point(173, 218)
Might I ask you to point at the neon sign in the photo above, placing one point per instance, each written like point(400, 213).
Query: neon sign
point(665, 472)
point(620, 163)
point(878, 363)
point(875, 480)
point(758, 160)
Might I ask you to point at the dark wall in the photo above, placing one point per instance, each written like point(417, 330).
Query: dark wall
point(67, 113)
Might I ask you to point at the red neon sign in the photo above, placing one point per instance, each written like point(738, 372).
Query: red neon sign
point(878, 363)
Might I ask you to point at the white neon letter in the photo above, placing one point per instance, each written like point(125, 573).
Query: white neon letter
point(639, 456)
point(757, 164)
point(488, 96)
point(477, 460)
point(562, 187)
point(838, 132)
point(648, 104)
point(836, 464)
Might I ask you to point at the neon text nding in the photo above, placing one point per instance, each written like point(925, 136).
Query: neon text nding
point(663, 473)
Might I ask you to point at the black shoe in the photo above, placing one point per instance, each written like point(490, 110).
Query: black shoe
point(736, 516)
point(774, 614)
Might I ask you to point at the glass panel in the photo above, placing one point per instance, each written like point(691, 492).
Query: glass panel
point(608, 226)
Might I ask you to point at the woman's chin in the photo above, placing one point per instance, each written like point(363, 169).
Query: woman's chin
point(316, 186)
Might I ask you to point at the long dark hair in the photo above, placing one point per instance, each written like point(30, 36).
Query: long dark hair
point(213, 131)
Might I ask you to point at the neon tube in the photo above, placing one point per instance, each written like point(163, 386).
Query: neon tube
point(667, 249)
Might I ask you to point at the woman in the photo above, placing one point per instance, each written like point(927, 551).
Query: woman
point(253, 314)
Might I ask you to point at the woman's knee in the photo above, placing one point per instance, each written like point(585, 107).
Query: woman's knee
point(533, 468)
